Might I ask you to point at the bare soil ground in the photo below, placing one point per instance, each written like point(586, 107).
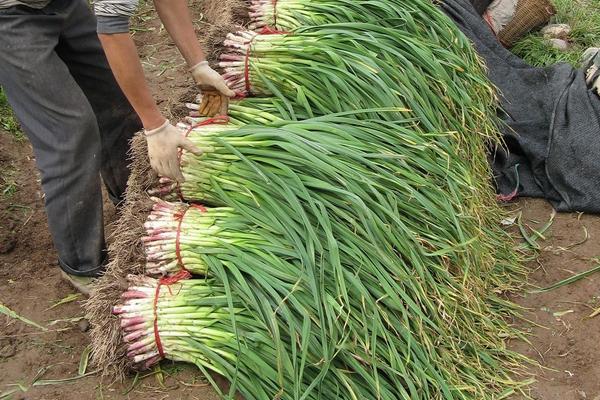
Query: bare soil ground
point(563, 337)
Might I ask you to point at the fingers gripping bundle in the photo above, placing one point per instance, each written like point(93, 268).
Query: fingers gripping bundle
point(352, 254)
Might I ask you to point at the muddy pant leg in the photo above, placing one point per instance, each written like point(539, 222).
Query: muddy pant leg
point(59, 121)
point(81, 51)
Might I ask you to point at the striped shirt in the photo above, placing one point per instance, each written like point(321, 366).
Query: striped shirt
point(113, 15)
point(29, 3)
point(105, 8)
point(110, 8)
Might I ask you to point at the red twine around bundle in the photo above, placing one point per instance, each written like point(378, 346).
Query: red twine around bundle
point(264, 31)
point(247, 69)
point(267, 30)
point(167, 281)
point(171, 280)
point(219, 119)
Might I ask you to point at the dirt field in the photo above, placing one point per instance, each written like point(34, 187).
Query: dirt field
point(563, 338)
point(564, 341)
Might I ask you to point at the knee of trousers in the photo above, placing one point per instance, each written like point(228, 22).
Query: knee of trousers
point(72, 153)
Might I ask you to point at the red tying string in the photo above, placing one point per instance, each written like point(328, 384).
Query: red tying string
point(219, 119)
point(156, 335)
point(267, 30)
point(264, 31)
point(167, 281)
point(177, 241)
point(177, 237)
point(247, 69)
point(173, 279)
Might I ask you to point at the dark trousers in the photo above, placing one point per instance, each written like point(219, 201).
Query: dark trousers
point(58, 82)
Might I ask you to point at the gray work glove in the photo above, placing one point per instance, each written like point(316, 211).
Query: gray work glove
point(163, 149)
point(204, 75)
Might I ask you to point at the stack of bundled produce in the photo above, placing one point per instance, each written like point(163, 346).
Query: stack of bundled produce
point(342, 232)
point(342, 67)
point(338, 230)
point(418, 18)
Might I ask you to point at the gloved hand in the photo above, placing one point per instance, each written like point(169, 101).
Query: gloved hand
point(163, 147)
point(204, 75)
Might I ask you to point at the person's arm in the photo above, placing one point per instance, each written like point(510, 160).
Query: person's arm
point(175, 15)
point(127, 69)
point(163, 139)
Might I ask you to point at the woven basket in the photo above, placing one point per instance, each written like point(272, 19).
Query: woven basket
point(530, 14)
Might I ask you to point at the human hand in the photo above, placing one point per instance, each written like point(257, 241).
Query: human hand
point(204, 75)
point(163, 147)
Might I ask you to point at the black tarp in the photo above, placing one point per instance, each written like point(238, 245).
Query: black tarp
point(481, 5)
point(552, 121)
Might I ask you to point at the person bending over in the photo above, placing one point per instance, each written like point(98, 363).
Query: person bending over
point(59, 84)
point(113, 30)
